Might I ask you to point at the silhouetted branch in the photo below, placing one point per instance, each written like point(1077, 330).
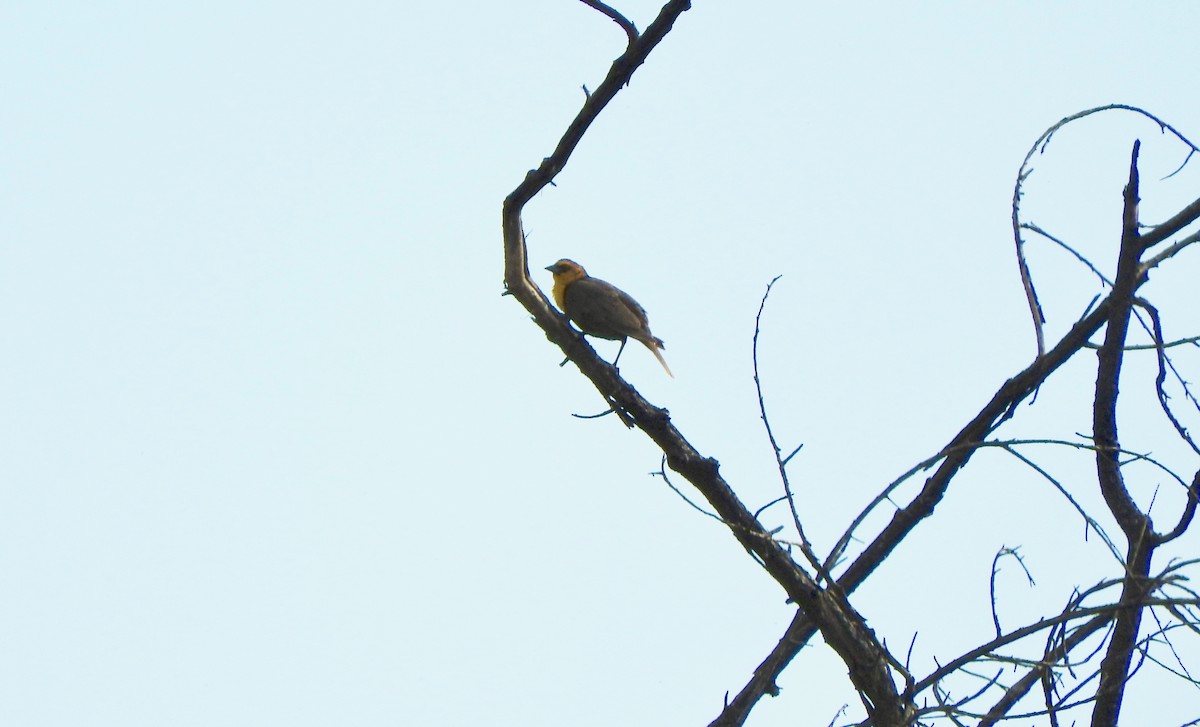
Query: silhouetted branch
point(872, 668)
point(1091, 522)
point(1137, 526)
point(1171, 251)
point(1189, 511)
point(619, 19)
point(955, 456)
point(1078, 256)
point(662, 472)
point(1111, 356)
point(1160, 380)
point(1163, 231)
point(780, 463)
point(844, 630)
point(1012, 553)
point(1176, 223)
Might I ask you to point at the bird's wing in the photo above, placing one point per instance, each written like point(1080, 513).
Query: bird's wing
point(601, 309)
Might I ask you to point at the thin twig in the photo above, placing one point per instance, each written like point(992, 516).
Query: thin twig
point(1078, 256)
point(1160, 380)
point(662, 472)
point(1015, 555)
point(806, 547)
point(1170, 252)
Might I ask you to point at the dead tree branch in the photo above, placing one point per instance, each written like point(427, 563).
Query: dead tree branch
point(619, 19)
point(844, 630)
point(872, 668)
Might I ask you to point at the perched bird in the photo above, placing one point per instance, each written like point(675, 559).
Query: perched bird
point(602, 309)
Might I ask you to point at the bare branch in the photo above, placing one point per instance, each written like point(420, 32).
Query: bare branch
point(1160, 380)
point(1091, 522)
point(958, 452)
point(843, 629)
point(1180, 220)
point(617, 18)
point(872, 667)
point(662, 472)
point(1170, 252)
point(1111, 356)
point(781, 464)
point(953, 457)
point(516, 268)
point(1189, 511)
point(1078, 256)
point(1114, 670)
point(1190, 340)
point(1163, 231)
point(1012, 553)
point(1106, 612)
point(1100, 616)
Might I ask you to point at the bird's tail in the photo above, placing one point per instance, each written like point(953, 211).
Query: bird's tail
point(656, 345)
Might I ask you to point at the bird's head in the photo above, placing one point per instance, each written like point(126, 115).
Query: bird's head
point(567, 271)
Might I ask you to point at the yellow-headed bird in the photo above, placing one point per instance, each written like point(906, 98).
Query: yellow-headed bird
point(602, 309)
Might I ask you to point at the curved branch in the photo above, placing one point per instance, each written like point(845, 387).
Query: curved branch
point(516, 264)
point(1160, 380)
point(1091, 522)
point(619, 19)
point(1108, 374)
point(1161, 232)
point(1189, 511)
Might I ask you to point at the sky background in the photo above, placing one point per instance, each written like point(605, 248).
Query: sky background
point(274, 449)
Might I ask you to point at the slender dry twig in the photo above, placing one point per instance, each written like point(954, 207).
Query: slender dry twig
point(1189, 511)
point(780, 462)
point(762, 412)
point(1163, 630)
point(1078, 256)
point(1091, 522)
point(1160, 380)
point(662, 472)
point(1171, 251)
point(1003, 552)
point(1189, 341)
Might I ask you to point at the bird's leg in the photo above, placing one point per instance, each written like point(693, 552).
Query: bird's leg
point(619, 350)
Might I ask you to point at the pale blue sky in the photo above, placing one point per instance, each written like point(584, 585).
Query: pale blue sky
point(275, 451)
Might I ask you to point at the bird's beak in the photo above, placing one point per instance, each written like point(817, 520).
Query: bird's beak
point(552, 268)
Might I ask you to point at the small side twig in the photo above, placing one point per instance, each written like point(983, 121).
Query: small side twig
point(1078, 256)
point(1160, 380)
point(662, 472)
point(1011, 552)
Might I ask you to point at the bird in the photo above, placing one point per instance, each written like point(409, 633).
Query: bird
point(602, 309)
